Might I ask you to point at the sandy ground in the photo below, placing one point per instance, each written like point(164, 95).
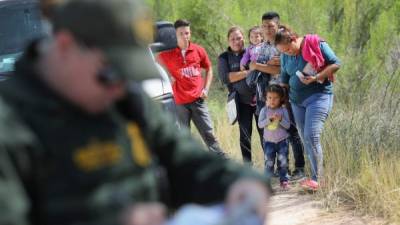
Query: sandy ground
point(294, 207)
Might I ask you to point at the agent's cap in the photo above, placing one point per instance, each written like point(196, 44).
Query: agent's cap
point(122, 29)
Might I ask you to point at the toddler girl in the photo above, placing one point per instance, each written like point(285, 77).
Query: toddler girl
point(274, 118)
point(251, 53)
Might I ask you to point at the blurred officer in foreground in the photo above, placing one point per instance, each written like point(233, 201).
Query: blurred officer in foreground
point(80, 143)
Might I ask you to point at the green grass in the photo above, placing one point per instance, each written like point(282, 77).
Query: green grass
point(362, 155)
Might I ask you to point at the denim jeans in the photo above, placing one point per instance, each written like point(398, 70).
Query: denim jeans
point(278, 150)
point(310, 117)
point(197, 111)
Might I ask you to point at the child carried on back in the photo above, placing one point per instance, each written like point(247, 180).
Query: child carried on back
point(274, 118)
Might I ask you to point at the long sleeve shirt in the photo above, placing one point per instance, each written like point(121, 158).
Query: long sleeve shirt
point(274, 131)
point(251, 54)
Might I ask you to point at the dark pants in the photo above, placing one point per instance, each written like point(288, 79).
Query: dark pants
point(295, 142)
point(197, 111)
point(297, 147)
point(246, 113)
point(280, 151)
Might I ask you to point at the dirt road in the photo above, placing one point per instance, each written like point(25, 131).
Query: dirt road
point(293, 208)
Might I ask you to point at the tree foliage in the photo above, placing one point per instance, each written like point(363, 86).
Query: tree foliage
point(365, 34)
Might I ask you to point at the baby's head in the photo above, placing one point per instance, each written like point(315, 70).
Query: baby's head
point(275, 96)
point(255, 35)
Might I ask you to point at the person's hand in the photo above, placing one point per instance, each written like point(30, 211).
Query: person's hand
point(152, 213)
point(242, 68)
point(204, 94)
point(331, 77)
point(274, 61)
point(272, 117)
point(321, 79)
point(308, 79)
point(248, 191)
point(253, 65)
point(278, 117)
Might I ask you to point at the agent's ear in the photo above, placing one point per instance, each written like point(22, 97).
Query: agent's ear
point(64, 41)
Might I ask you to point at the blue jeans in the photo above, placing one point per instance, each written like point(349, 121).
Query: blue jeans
point(310, 117)
point(271, 151)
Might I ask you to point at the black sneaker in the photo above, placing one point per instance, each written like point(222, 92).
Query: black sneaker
point(297, 174)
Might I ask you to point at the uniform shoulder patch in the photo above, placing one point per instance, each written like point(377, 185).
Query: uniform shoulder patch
point(140, 151)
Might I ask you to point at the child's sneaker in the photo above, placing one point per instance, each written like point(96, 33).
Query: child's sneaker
point(285, 185)
point(309, 184)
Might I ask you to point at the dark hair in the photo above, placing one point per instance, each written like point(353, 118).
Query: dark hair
point(284, 35)
point(233, 29)
point(276, 88)
point(181, 23)
point(256, 29)
point(271, 16)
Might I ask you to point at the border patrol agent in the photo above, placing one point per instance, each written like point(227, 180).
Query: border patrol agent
point(80, 142)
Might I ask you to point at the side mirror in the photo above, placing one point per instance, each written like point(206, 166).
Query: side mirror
point(165, 37)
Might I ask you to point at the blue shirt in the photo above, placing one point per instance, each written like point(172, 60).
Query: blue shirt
point(299, 91)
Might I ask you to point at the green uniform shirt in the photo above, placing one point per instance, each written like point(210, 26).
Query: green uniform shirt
point(81, 168)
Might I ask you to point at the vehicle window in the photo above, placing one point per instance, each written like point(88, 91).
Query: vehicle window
point(19, 23)
point(7, 62)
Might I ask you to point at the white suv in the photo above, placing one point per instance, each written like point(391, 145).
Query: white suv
point(161, 89)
